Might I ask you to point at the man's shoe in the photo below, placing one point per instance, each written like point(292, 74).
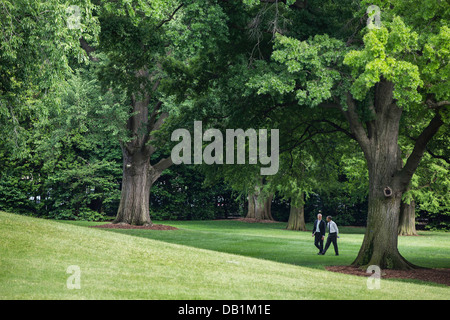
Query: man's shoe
point(336, 254)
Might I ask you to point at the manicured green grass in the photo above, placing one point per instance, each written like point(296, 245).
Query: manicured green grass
point(271, 241)
point(202, 260)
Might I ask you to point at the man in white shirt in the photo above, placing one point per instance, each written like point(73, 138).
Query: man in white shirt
point(333, 232)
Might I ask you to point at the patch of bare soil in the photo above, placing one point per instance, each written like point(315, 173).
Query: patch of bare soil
point(441, 276)
point(129, 226)
point(249, 220)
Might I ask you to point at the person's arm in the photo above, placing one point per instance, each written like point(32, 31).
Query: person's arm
point(322, 230)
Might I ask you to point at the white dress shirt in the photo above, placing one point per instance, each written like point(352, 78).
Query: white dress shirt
point(318, 225)
point(332, 227)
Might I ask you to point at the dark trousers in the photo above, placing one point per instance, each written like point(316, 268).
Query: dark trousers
point(318, 242)
point(332, 238)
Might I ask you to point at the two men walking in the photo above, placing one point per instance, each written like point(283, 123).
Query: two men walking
point(319, 234)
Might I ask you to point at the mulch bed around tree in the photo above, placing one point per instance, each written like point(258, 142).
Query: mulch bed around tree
point(249, 220)
point(441, 276)
point(129, 226)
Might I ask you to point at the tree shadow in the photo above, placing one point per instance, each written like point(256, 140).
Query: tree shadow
point(283, 250)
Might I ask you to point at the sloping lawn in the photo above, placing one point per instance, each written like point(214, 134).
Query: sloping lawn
point(202, 260)
point(272, 241)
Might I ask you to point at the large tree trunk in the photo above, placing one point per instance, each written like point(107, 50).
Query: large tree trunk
point(297, 219)
point(136, 184)
point(297, 216)
point(407, 222)
point(138, 178)
point(380, 240)
point(379, 246)
point(258, 207)
point(138, 174)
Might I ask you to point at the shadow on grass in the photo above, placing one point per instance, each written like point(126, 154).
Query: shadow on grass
point(301, 252)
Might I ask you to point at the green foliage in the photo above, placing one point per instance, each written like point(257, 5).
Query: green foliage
point(71, 172)
point(181, 194)
point(137, 36)
point(35, 50)
point(382, 57)
point(430, 188)
point(15, 187)
point(321, 54)
point(435, 62)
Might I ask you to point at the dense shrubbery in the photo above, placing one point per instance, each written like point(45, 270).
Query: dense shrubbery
point(74, 186)
point(181, 194)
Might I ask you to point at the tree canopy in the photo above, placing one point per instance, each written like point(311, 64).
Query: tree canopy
point(359, 90)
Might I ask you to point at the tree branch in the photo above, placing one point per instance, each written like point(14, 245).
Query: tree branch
point(436, 105)
point(163, 164)
point(356, 125)
point(405, 175)
point(436, 156)
point(157, 169)
point(88, 49)
point(154, 124)
point(431, 153)
point(170, 17)
point(339, 128)
point(155, 112)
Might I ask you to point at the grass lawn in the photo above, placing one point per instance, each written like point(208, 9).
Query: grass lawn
point(201, 260)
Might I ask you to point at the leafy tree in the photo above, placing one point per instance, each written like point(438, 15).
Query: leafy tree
point(36, 47)
point(234, 104)
point(80, 151)
point(397, 70)
point(136, 39)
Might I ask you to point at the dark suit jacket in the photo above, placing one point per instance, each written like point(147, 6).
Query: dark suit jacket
point(322, 227)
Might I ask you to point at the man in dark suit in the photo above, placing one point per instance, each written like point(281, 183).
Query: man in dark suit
point(318, 232)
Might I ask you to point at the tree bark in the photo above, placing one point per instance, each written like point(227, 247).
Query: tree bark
point(135, 195)
point(258, 207)
point(251, 207)
point(407, 223)
point(297, 218)
point(379, 246)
